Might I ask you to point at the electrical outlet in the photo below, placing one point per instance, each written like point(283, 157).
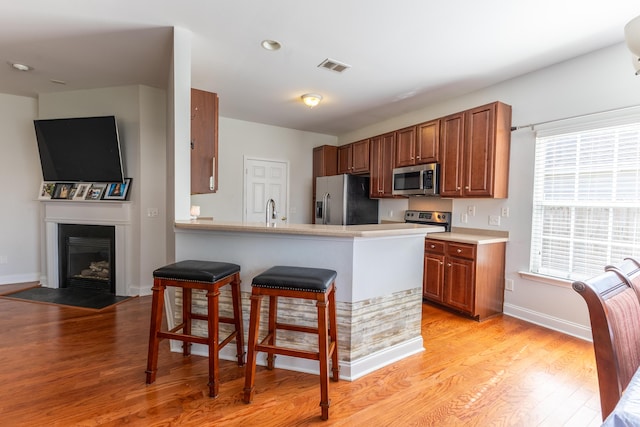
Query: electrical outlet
point(152, 212)
point(463, 218)
point(505, 212)
point(508, 284)
point(471, 210)
point(494, 220)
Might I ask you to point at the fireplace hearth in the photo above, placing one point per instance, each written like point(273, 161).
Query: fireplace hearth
point(86, 257)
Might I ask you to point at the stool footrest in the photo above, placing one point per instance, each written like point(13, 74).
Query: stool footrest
point(287, 351)
point(297, 328)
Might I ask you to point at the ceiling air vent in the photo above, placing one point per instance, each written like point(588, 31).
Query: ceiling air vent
point(333, 65)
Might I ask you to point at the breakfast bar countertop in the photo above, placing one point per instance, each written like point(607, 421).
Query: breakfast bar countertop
point(364, 230)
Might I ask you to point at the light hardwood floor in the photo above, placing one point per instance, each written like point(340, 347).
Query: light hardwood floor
point(72, 367)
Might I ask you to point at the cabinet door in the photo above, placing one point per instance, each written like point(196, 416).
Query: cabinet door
point(479, 154)
point(345, 153)
point(324, 161)
point(375, 177)
point(360, 156)
point(204, 142)
point(433, 278)
point(428, 142)
point(405, 147)
point(459, 284)
point(388, 154)
point(451, 146)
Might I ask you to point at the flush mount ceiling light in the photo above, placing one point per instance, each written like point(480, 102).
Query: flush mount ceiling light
point(632, 37)
point(311, 99)
point(270, 44)
point(20, 67)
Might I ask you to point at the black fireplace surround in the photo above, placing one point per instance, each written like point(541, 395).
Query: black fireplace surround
point(86, 257)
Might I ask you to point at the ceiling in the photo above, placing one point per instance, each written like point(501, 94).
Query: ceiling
point(404, 55)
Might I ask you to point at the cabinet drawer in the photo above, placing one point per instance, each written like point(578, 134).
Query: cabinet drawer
point(434, 246)
point(461, 250)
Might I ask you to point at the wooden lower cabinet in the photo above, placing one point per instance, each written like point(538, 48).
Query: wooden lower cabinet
point(465, 277)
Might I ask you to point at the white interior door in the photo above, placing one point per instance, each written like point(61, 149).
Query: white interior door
point(264, 180)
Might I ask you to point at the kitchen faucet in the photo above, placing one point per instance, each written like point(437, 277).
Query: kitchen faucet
point(271, 204)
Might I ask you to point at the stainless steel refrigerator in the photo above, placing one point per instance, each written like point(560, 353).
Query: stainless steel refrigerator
point(344, 200)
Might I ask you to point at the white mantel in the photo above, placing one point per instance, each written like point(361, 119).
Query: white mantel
point(117, 214)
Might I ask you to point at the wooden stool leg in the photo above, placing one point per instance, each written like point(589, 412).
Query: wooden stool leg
point(250, 370)
point(333, 333)
point(213, 313)
point(186, 319)
point(157, 305)
point(323, 344)
point(237, 316)
point(271, 333)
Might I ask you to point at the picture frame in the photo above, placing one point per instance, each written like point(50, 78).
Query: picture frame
point(81, 191)
point(117, 190)
point(63, 190)
point(95, 191)
point(46, 190)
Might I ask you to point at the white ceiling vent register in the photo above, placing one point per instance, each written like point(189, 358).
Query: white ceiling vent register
point(333, 65)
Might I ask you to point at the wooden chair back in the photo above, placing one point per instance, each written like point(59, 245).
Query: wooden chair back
point(629, 268)
point(614, 313)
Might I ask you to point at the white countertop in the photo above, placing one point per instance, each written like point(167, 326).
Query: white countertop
point(365, 230)
point(473, 236)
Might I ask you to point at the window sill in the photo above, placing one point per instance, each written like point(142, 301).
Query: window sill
point(548, 280)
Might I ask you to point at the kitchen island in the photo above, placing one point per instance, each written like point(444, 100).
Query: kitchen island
point(378, 287)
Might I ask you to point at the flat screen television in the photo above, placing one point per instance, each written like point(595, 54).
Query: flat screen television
point(84, 149)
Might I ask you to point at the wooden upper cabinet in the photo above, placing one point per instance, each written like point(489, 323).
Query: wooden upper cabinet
point(382, 162)
point(451, 140)
point(354, 158)
point(474, 152)
point(428, 142)
point(325, 160)
point(405, 153)
point(204, 142)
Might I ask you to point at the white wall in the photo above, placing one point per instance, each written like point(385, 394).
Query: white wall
point(239, 138)
point(20, 176)
point(602, 80)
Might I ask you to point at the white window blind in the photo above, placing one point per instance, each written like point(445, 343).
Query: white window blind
point(586, 200)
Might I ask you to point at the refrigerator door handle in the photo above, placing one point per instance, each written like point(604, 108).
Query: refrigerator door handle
point(325, 211)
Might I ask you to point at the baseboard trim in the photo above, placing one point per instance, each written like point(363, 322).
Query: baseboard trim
point(570, 328)
point(20, 278)
point(349, 371)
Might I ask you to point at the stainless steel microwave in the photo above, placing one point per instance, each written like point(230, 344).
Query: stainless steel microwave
point(422, 180)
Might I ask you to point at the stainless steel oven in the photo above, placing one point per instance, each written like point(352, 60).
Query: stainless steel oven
point(429, 218)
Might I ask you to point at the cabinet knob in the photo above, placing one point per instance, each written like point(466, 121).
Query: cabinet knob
point(466, 187)
point(412, 158)
point(418, 157)
point(448, 264)
point(458, 188)
point(459, 250)
point(441, 262)
point(433, 246)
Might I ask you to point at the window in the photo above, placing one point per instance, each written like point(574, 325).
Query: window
point(586, 199)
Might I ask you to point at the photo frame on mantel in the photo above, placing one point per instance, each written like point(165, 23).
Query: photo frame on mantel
point(117, 190)
point(95, 192)
point(63, 190)
point(81, 191)
point(46, 190)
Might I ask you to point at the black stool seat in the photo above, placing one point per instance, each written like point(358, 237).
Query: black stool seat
point(197, 271)
point(295, 278)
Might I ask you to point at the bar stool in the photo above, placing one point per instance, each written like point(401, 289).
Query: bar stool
point(294, 282)
point(189, 275)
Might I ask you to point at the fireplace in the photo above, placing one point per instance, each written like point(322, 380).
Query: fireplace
point(86, 257)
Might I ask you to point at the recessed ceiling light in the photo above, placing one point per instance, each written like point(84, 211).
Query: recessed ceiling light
point(20, 67)
point(270, 45)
